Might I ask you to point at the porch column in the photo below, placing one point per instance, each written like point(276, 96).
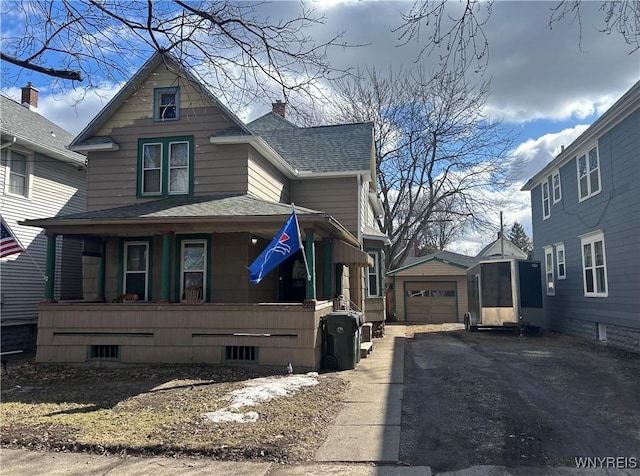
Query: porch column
point(310, 252)
point(165, 283)
point(326, 268)
point(51, 268)
point(100, 278)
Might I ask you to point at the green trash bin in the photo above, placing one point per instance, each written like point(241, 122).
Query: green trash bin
point(343, 340)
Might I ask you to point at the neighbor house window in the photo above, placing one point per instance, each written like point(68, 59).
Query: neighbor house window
point(588, 174)
point(135, 265)
point(560, 261)
point(193, 269)
point(548, 265)
point(373, 275)
point(165, 166)
point(166, 104)
point(546, 206)
point(18, 176)
point(557, 189)
point(594, 265)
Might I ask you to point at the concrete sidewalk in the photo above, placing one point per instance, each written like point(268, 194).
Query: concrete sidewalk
point(367, 429)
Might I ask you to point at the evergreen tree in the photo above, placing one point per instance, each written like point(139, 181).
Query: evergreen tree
point(519, 237)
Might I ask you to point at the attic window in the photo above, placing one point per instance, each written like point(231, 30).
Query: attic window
point(166, 104)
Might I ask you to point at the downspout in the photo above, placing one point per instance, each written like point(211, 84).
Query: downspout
point(11, 142)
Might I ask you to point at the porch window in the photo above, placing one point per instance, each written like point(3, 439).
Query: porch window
point(594, 265)
point(18, 173)
point(166, 104)
point(136, 269)
point(588, 174)
point(165, 166)
point(193, 270)
point(373, 275)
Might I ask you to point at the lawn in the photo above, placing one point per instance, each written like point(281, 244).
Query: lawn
point(161, 409)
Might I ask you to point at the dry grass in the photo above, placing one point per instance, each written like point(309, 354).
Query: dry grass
point(158, 409)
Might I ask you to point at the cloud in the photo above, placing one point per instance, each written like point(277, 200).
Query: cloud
point(534, 154)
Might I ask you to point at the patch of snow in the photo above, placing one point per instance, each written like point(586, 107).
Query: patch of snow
point(224, 416)
point(258, 391)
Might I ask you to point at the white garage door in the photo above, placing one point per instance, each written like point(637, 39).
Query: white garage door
point(430, 302)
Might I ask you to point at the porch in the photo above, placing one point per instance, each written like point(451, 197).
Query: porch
point(110, 334)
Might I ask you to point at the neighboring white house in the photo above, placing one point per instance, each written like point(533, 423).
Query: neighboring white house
point(39, 178)
point(501, 248)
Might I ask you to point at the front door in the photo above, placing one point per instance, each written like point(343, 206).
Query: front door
point(293, 279)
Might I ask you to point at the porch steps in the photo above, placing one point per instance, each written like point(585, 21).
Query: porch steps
point(365, 349)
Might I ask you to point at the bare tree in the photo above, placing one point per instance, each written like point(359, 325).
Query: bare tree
point(620, 16)
point(453, 32)
point(437, 155)
point(233, 47)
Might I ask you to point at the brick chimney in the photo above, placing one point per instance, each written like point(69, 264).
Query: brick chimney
point(280, 108)
point(30, 97)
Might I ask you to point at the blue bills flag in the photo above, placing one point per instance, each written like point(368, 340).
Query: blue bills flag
point(9, 244)
point(284, 245)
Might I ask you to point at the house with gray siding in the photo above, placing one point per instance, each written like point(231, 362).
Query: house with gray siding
point(182, 196)
point(39, 177)
point(586, 227)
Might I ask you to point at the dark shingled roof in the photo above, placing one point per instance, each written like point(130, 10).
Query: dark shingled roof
point(194, 207)
point(16, 120)
point(338, 148)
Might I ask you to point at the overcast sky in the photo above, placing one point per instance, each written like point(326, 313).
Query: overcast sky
point(549, 84)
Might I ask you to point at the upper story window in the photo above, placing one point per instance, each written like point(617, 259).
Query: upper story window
point(546, 204)
point(165, 166)
point(373, 275)
point(557, 189)
point(594, 265)
point(166, 104)
point(18, 174)
point(561, 261)
point(588, 174)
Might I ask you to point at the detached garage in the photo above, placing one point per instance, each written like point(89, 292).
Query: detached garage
point(431, 289)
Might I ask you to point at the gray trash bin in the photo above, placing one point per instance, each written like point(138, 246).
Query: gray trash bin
point(343, 339)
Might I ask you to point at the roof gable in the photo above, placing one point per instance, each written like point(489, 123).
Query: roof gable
point(96, 128)
point(447, 257)
point(495, 249)
point(36, 132)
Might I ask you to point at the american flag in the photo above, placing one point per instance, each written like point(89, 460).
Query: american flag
point(9, 244)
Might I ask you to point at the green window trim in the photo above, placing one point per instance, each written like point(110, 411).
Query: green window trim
point(164, 168)
point(136, 239)
point(180, 238)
